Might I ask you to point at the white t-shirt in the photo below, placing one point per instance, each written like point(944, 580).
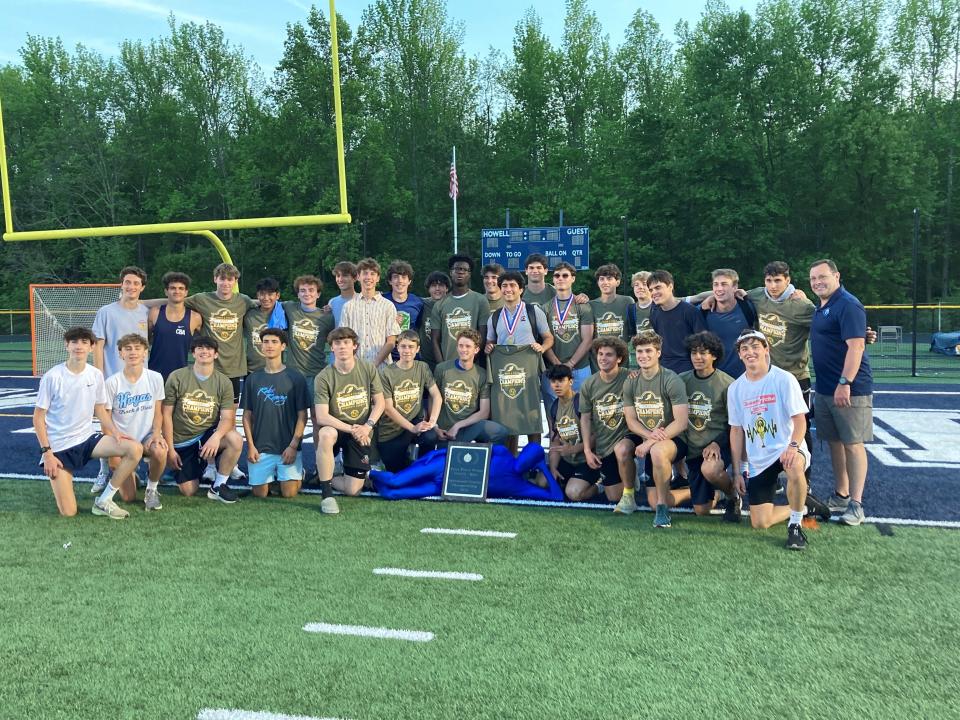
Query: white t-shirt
point(111, 323)
point(132, 404)
point(69, 400)
point(764, 408)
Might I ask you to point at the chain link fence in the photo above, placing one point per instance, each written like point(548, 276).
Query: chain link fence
point(895, 353)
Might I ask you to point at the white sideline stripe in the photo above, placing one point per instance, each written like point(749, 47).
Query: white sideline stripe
point(912, 392)
point(949, 524)
point(477, 533)
point(431, 574)
point(374, 632)
point(224, 714)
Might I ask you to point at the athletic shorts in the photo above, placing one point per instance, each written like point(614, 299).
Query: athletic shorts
point(74, 458)
point(356, 457)
point(191, 464)
point(610, 470)
point(701, 491)
point(581, 471)
point(763, 488)
point(271, 466)
point(851, 425)
point(648, 463)
point(236, 389)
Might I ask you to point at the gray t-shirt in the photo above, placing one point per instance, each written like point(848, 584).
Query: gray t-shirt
point(112, 322)
point(523, 331)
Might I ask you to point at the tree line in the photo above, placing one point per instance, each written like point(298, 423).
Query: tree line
point(810, 128)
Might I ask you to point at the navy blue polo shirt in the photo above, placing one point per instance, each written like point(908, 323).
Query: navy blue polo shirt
point(842, 318)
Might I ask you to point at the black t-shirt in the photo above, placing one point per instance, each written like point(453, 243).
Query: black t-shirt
point(275, 399)
point(673, 326)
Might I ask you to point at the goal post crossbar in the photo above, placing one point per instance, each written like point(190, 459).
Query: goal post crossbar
point(341, 217)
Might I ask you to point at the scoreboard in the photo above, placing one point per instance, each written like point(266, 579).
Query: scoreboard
point(511, 246)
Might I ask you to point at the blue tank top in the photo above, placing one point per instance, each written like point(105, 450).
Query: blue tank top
point(171, 343)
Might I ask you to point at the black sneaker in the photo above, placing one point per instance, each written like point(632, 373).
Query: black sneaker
point(731, 513)
point(311, 478)
point(796, 540)
point(223, 493)
point(817, 508)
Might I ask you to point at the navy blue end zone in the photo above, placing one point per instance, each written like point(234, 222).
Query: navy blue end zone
point(914, 457)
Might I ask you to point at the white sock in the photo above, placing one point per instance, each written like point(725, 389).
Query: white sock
point(152, 485)
point(104, 466)
point(210, 463)
point(796, 516)
point(220, 479)
point(107, 495)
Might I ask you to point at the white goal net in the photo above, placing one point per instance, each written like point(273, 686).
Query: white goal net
point(54, 309)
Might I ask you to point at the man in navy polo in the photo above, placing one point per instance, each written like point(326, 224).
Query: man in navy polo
point(843, 407)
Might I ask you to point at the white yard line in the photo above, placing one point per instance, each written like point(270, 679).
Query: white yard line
point(476, 533)
point(429, 574)
point(224, 714)
point(371, 632)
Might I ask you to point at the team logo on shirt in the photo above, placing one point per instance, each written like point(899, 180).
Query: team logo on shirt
point(406, 396)
point(304, 334)
point(255, 338)
point(458, 396)
point(774, 327)
point(761, 429)
point(609, 324)
point(643, 324)
point(609, 410)
point(224, 324)
point(198, 407)
point(352, 401)
point(649, 408)
point(513, 379)
point(403, 320)
point(568, 430)
point(700, 409)
point(567, 330)
point(458, 319)
point(427, 327)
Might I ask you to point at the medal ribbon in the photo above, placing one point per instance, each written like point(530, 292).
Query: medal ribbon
point(514, 321)
point(562, 316)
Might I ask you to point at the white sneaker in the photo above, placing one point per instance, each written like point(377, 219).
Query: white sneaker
point(210, 473)
point(237, 474)
point(109, 509)
point(100, 483)
point(627, 504)
point(328, 506)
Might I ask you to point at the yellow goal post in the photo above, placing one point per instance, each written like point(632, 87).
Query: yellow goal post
point(200, 226)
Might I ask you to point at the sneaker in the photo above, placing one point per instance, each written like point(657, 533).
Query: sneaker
point(731, 513)
point(796, 540)
point(151, 500)
point(223, 493)
point(853, 514)
point(237, 474)
point(627, 504)
point(817, 508)
point(209, 473)
point(662, 518)
point(837, 504)
point(100, 483)
point(328, 506)
point(310, 477)
point(109, 509)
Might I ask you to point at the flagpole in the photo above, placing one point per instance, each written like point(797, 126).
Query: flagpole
point(455, 250)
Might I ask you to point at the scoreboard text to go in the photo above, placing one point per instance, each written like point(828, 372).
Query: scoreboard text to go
point(510, 247)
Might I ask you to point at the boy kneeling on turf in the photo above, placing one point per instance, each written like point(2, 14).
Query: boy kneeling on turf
point(134, 399)
point(567, 461)
point(348, 399)
point(199, 423)
point(275, 402)
point(70, 395)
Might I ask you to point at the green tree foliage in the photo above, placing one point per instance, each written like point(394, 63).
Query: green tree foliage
point(809, 128)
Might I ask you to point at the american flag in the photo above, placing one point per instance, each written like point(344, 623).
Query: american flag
point(454, 185)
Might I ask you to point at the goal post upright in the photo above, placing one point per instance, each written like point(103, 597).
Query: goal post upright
point(200, 226)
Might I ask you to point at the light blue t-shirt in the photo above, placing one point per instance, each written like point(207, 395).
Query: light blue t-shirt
point(112, 322)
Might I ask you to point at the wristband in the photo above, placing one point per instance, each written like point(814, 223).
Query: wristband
point(795, 445)
point(369, 423)
point(44, 449)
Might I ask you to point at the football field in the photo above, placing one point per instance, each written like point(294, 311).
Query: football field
point(257, 609)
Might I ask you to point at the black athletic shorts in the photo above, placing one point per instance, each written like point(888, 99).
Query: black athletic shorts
point(74, 458)
point(236, 389)
point(191, 464)
point(581, 471)
point(610, 470)
point(648, 463)
point(701, 491)
point(356, 457)
point(763, 488)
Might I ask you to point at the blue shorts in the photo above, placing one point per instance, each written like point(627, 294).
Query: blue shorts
point(191, 464)
point(701, 491)
point(74, 458)
point(270, 466)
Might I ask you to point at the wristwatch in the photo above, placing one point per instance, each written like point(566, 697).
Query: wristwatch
point(795, 445)
point(843, 381)
point(44, 449)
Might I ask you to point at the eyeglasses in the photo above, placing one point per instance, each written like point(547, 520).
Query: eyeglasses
point(562, 275)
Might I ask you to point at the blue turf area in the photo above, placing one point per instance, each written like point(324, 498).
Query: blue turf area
point(914, 458)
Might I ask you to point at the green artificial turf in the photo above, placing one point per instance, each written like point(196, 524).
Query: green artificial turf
point(583, 615)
